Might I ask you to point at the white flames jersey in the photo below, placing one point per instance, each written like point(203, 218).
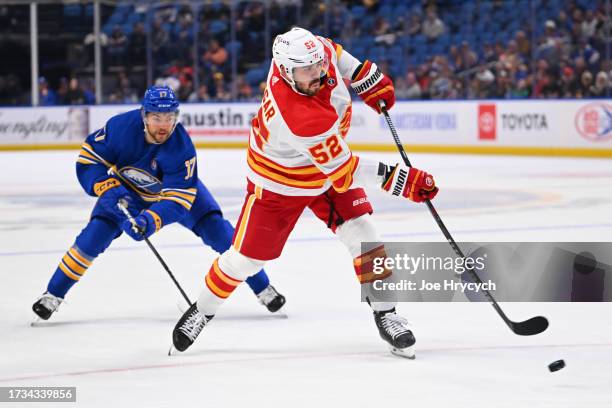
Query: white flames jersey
point(296, 144)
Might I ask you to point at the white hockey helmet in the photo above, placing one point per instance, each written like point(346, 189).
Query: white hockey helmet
point(299, 56)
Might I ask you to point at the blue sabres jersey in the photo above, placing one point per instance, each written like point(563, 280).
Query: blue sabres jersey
point(164, 175)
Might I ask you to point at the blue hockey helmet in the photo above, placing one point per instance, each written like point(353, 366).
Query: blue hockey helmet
point(160, 99)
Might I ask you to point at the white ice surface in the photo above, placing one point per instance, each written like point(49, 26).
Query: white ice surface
point(111, 337)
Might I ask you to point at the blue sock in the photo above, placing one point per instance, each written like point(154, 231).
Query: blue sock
point(60, 284)
point(92, 241)
point(258, 282)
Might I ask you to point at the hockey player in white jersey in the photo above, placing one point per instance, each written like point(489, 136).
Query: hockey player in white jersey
point(298, 158)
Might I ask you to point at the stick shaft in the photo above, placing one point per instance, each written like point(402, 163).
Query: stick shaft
point(443, 228)
point(157, 255)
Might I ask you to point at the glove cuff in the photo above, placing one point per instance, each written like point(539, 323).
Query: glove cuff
point(396, 179)
point(366, 77)
point(153, 220)
point(103, 186)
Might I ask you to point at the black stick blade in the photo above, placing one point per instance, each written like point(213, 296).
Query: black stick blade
point(535, 325)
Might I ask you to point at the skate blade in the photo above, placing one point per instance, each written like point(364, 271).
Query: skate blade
point(407, 352)
point(36, 322)
point(172, 350)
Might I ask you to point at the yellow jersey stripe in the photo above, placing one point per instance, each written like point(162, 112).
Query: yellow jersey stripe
point(178, 200)
point(244, 222)
point(285, 180)
point(192, 191)
point(91, 151)
point(338, 50)
point(261, 160)
point(86, 161)
point(100, 136)
point(86, 154)
point(190, 198)
point(346, 186)
point(346, 167)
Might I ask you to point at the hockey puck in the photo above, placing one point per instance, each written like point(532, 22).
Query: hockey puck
point(556, 365)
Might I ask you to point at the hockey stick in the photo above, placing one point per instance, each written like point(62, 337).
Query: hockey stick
point(123, 208)
point(529, 327)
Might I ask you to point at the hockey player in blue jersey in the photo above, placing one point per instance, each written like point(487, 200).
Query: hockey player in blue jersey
point(145, 159)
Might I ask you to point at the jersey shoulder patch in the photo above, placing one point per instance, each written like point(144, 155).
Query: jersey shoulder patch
point(305, 116)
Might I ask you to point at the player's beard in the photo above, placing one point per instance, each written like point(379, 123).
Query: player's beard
point(160, 136)
point(312, 88)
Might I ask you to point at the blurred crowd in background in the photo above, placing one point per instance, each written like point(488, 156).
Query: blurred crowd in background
point(220, 50)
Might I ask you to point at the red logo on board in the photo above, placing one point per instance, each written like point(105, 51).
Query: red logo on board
point(594, 121)
point(487, 122)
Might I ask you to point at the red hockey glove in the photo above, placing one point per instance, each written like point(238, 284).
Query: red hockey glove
point(373, 86)
point(413, 184)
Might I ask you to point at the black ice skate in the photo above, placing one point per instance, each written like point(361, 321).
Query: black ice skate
point(188, 328)
point(271, 299)
point(46, 305)
point(394, 330)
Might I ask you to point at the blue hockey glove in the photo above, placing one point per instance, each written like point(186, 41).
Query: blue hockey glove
point(146, 225)
point(110, 191)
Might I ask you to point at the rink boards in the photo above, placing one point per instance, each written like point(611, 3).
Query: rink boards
point(533, 127)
